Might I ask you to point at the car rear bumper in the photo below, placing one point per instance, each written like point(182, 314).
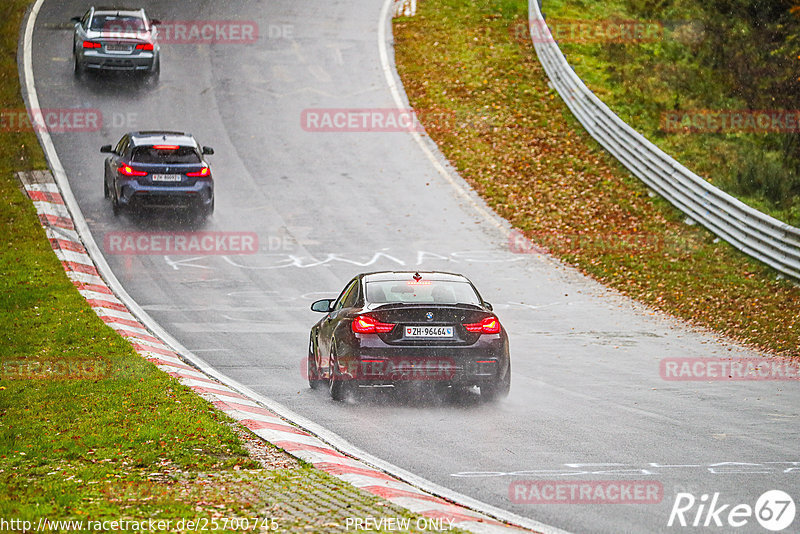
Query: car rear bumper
point(485, 361)
point(117, 62)
point(134, 195)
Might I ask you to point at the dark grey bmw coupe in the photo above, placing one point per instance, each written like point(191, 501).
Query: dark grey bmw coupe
point(388, 328)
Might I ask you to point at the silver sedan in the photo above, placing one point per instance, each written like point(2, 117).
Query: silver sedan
point(116, 40)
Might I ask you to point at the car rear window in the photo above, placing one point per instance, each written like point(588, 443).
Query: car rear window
point(149, 154)
point(117, 23)
point(422, 292)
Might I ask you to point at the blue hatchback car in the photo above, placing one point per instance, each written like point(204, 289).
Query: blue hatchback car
point(159, 169)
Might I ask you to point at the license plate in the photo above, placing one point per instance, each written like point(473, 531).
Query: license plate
point(118, 48)
point(167, 177)
point(429, 331)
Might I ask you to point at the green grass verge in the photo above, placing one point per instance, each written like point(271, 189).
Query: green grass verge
point(78, 407)
point(515, 141)
point(91, 431)
point(677, 70)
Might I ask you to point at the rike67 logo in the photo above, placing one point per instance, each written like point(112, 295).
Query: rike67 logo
point(774, 510)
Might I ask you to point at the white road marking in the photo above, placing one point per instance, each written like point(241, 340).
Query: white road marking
point(286, 261)
point(177, 264)
point(647, 469)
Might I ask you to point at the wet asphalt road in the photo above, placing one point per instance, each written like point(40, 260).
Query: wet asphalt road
point(587, 399)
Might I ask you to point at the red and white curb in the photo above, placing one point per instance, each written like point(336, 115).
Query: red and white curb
point(68, 247)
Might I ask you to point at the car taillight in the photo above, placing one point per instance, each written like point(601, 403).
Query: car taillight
point(364, 324)
point(166, 147)
point(489, 325)
point(91, 44)
point(127, 170)
point(205, 171)
point(145, 46)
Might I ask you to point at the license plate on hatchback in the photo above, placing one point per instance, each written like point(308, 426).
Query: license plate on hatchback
point(167, 177)
point(429, 331)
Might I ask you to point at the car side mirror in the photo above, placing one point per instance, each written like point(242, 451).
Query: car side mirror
point(207, 150)
point(76, 20)
point(155, 22)
point(322, 306)
point(106, 149)
point(488, 306)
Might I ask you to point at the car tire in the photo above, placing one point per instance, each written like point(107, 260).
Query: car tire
point(201, 213)
point(78, 69)
point(498, 389)
point(115, 206)
point(314, 381)
point(339, 387)
point(106, 193)
point(154, 74)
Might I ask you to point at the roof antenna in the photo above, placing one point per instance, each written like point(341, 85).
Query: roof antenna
point(417, 277)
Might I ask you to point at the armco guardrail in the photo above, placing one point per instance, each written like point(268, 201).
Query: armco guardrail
point(763, 237)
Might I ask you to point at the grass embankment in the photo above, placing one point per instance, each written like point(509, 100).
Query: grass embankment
point(87, 427)
point(89, 430)
point(516, 142)
point(698, 55)
point(81, 414)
